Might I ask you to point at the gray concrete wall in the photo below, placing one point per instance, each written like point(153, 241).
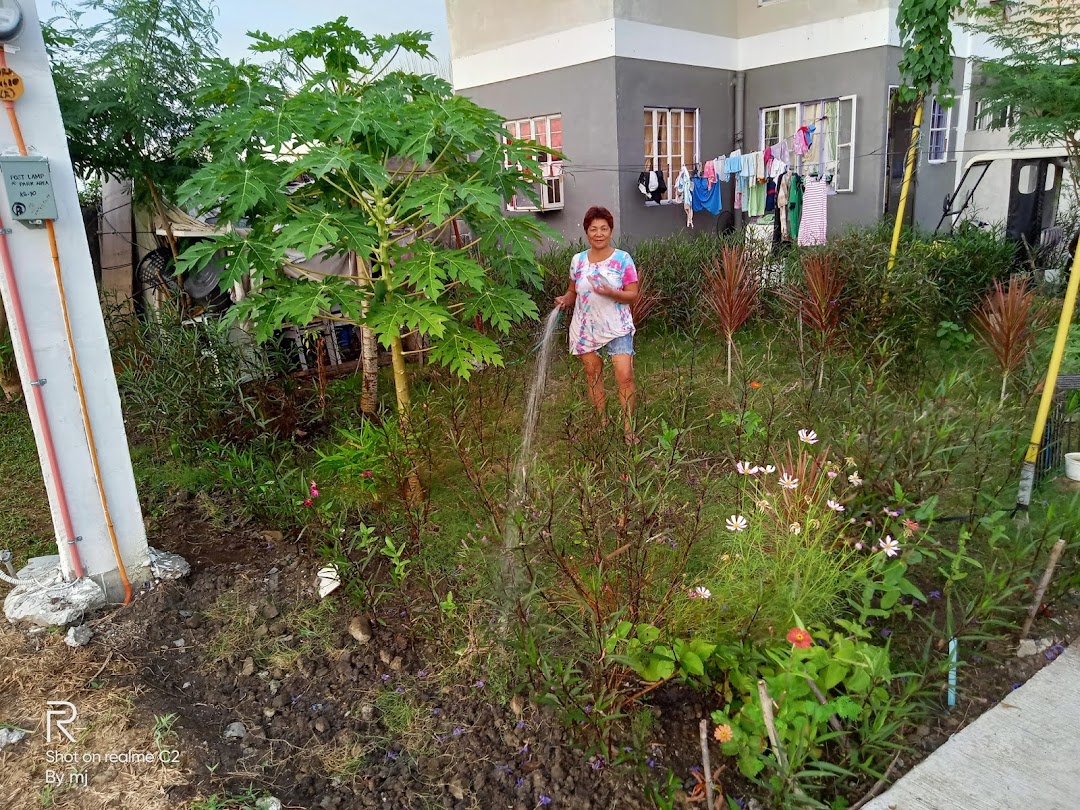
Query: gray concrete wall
point(689, 15)
point(641, 84)
point(860, 73)
point(588, 125)
point(482, 25)
point(755, 19)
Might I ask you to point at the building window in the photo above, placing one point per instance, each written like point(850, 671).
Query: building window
point(985, 118)
point(940, 116)
point(832, 152)
point(671, 142)
point(545, 130)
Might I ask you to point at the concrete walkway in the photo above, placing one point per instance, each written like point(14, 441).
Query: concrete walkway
point(1023, 753)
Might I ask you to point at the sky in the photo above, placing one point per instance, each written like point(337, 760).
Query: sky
point(237, 17)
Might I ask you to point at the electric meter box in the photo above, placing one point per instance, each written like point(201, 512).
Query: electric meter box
point(29, 187)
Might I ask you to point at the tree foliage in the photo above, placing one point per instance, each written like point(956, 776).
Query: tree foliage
point(1034, 84)
point(926, 39)
point(330, 148)
point(127, 73)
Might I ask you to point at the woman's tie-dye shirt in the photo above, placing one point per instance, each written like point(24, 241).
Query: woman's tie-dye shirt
point(598, 320)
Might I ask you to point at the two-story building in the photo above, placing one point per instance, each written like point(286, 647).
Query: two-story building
point(624, 86)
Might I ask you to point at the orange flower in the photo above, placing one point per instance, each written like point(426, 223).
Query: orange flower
point(723, 733)
point(755, 385)
point(800, 638)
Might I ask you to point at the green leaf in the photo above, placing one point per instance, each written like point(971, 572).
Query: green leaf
point(463, 349)
point(309, 232)
point(692, 663)
point(834, 673)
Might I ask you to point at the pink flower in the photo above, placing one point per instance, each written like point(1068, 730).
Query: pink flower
point(832, 473)
point(366, 474)
point(859, 546)
point(835, 506)
point(314, 490)
point(746, 468)
point(800, 638)
point(308, 502)
point(788, 482)
point(808, 436)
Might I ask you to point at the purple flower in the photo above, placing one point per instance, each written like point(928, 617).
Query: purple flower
point(597, 763)
point(392, 755)
point(934, 594)
point(436, 710)
point(886, 632)
point(457, 731)
point(520, 781)
point(628, 750)
point(1016, 686)
point(400, 690)
point(649, 761)
point(1054, 652)
point(504, 768)
point(479, 684)
point(520, 725)
point(545, 799)
point(422, 673)
point(385, 677)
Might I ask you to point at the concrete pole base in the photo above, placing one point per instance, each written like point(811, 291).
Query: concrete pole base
point(47, 600)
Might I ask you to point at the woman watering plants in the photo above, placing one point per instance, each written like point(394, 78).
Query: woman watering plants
point(603, 285)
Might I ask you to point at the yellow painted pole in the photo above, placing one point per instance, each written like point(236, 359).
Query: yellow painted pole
point(1068, 306)
point(909, 171)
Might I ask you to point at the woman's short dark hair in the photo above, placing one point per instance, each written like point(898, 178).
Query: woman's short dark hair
point(598, 212)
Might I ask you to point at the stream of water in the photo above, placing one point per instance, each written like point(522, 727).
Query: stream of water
point(523, 460)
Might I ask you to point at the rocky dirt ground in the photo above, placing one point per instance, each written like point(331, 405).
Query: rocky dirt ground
point(240, 679)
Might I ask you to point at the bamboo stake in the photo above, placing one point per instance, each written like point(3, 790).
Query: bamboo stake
point(770, 723)
point(1055, 555)
point(703, 730)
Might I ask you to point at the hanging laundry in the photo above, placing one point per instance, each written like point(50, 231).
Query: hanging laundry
point(706, 196)
point(795, 201)
point(684, 193)
point(652, 185)
point(759, 166)
point(783, 195)
point(709, 172)
point(813, 222)
point(780, 152)
point(777, 168)
point(756, 200)
point(770, 196)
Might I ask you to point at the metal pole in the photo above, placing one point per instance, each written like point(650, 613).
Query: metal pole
point(1068, 306)
point(909, 171)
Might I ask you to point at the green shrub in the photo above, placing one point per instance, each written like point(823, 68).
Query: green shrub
point(964, 266)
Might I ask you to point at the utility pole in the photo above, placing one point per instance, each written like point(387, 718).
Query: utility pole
point(57, 329)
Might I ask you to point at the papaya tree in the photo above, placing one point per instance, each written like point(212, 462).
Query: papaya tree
point(329, 148)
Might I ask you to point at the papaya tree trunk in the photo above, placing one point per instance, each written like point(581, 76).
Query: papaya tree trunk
point(414, 492)
point(369, 347)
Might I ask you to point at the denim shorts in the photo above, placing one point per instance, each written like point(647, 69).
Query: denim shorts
point(619, 345)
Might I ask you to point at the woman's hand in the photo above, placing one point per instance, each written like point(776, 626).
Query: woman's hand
point(566, 300)
point(601, 288)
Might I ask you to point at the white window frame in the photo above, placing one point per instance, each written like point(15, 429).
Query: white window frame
point(665, 163)
point(814, 111)
point(551, 187)
point(981, 120)
point(848, 186)
point(944, 130)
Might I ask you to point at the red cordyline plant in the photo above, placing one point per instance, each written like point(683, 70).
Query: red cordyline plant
point(819, 304)
point(1007, 320)
point(732, 292)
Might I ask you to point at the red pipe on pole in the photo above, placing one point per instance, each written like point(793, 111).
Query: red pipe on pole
point(39, 400)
